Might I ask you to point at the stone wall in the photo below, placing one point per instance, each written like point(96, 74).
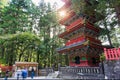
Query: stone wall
point(112, 69)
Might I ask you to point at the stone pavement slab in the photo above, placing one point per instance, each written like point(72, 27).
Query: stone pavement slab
point(35, 78)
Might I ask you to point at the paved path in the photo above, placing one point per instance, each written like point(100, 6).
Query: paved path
point(35, 78)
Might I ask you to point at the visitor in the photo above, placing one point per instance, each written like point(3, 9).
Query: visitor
point(6, 75)
point(32, 73)
point(18, 76)
point(18, 73)
point(13, 73)
point(24, 74)
point(0, 72)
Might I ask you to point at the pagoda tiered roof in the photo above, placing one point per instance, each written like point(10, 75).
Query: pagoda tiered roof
point(76, 25)
point(82, 38)
point(94, 17)
point(91, 14)
point(67, 9)
point(65, 6)
point(79, 43)
point(81, 35)
point(70, 14)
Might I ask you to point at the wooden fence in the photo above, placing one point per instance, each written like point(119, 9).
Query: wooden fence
point(112, 54)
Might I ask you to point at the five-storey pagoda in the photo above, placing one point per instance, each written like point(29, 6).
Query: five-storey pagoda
point(82, 44)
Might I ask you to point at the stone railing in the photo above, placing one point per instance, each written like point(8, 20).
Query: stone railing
point(77, 72)
point(45, 71)
point(49, 70)
point(84, 70)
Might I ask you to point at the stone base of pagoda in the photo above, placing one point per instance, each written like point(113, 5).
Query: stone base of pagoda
point(83, 63)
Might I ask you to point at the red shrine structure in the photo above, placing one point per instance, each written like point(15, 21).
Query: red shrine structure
point(82, 44)
point(112, 54)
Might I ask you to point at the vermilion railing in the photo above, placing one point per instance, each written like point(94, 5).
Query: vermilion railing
point(112, 54)
point(5, 68)
point(81, 38)
point(75, 23)
point(75, 40)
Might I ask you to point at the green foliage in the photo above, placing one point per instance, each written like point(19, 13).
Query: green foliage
point(108, 8)
point(2, 61)
point(78, 5)
point(102, 57)
point(19, 45)
point(3, 3)
point(18, 13)
point(81, 6)
point(103, 32)
point(19, 21)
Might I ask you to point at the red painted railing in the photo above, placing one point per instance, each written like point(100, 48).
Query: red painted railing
point(5, 68)
point(80, 39)
point(75, 23)
point(112, 54)
point(71, 30)
point(75, 40)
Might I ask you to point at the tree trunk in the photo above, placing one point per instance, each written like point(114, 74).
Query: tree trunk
point(66, 60)
point(3, 52)
point(20, 56)
point(108, 35)
point(11, 57)
point(38, 57)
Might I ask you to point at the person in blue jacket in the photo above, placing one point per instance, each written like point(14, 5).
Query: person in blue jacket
point(32, 72)
point(24, 74)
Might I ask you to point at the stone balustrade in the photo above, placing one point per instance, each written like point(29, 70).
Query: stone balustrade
point(81, 72)
point(84, 70)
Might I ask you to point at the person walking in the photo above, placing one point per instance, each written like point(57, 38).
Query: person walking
point(19, 73)
point(32, 73)
point(24, 74)
point(0, 72)
point(6, 75)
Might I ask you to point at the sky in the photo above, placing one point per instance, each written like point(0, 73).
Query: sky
point(59, 2)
